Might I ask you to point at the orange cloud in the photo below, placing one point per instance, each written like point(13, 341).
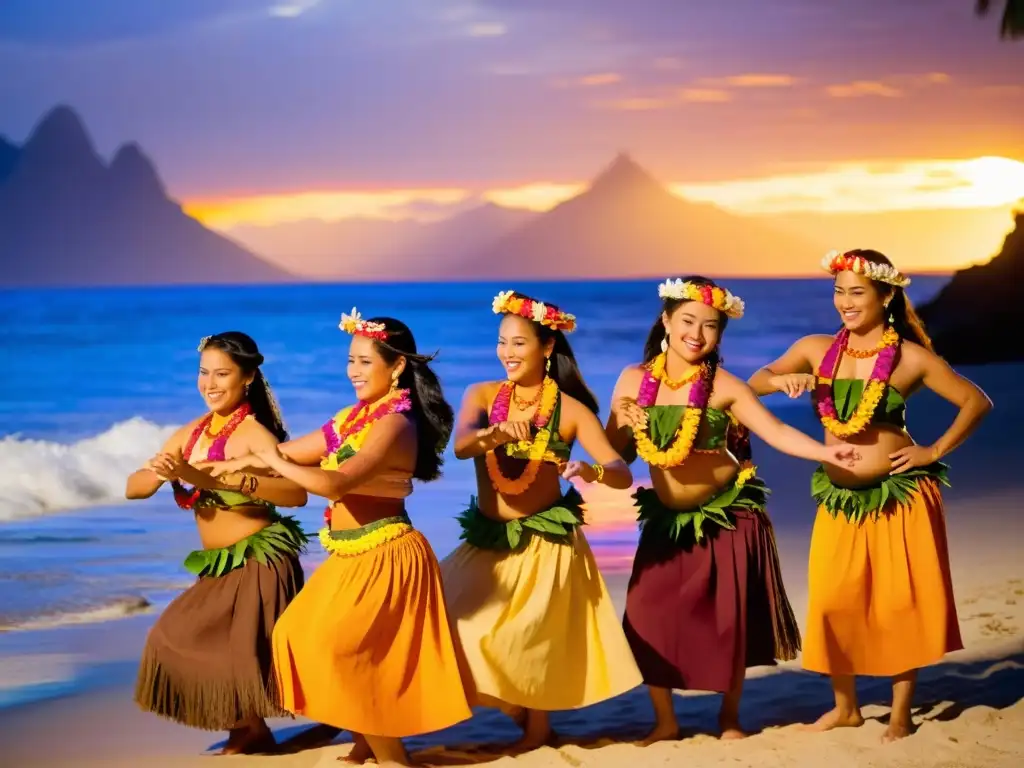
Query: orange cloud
point(754, 80)
point(862, 88)
point(705, 95)
point(636, 104)
point(871, 187)
point(264, 210)
point(605, 78)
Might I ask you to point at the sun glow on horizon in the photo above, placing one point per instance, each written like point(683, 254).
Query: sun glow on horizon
point(853, 187)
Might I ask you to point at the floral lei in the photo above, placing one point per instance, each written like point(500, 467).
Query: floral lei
point(185, 498)
point(824, 401)
point(697, 402)
point(536, 450)
point(345, 434)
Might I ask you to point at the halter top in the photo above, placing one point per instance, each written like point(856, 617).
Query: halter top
point(207, 448)
point(664, 421)
point(891, 411)
point(389, 483)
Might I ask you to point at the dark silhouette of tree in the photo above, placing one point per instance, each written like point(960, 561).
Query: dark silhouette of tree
point(1012, 24)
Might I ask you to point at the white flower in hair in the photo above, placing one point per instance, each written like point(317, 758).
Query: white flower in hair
point(539, 311)
point(349, 322)
point(499, 301)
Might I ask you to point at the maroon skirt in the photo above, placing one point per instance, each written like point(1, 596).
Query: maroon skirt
point(698, 614)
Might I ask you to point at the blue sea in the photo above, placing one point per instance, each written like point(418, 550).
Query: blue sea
point(95, 379)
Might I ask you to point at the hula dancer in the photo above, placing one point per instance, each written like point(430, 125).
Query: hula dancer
point(880, 597)
point(705, 598)
point(534, 618)
point(366, 646)
point(207, 661)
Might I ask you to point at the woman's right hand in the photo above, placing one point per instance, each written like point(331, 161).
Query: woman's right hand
point(631, 413)
point(794, 384)
point(511, 432)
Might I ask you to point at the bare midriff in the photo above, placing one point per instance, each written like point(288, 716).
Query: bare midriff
point(873, 445)
point(697, 480)
point(543, 494)
point(355, 511)
point(224, 526)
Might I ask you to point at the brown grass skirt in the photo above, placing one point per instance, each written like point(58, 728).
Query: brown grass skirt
point(693, 610)
point(207, 660)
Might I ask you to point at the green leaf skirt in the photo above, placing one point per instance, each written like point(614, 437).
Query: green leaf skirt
point(658, 520)
point(281, 539)
point(555, 524)
point(859, 504)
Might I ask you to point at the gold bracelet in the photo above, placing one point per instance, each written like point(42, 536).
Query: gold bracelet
point(242, 480)
point(599, 469)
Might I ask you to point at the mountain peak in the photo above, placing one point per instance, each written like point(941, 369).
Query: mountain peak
point(131, 169)
point(624, 174)
point(60, 130)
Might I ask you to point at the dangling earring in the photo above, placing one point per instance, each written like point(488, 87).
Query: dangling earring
point(664, 344)
point(247, 389)
point(547, 365)
point(891, 318)
point(394, 382)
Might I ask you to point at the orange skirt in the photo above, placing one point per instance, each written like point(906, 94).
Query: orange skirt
point(366, 645)
point(880, 596)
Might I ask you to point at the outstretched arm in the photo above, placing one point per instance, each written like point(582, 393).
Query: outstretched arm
point(387, 435)
point(752, 413)
point(614, 471)
point(974, 404)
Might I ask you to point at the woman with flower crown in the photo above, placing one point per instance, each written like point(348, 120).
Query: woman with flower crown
point(366, 646)
point(535, 621)
point(207, 662)
point(880, 597)
point(705, 599)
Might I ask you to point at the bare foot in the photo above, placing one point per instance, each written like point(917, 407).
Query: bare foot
point(359, 753)
point(667, 732)
point(896, 731)
point(249, 740)
point(835, 719)
point(730, 727)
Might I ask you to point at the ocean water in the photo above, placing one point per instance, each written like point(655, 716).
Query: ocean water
point(95, 379)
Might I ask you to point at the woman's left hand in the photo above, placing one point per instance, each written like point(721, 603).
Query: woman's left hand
point(911, 457)
point(584, 472)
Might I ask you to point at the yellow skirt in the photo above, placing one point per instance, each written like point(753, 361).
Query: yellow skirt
point(537, 626)
point(880, 597)
point(367, 646)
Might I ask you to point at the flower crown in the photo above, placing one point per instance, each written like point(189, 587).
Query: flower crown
point(355, 325)
point(719, 298)
point(507, 302)
point(202, 343)
point(835, 262)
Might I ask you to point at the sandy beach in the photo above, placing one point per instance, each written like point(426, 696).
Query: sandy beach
point(970, 707)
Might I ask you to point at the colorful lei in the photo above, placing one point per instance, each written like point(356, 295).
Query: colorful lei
point(835, 262)
point(507, 302)
point(187, 498)
point(536, 450)
point(354, 324)
point(713, 296)
point(824, 400)
point(345, 434)
point(697, 402)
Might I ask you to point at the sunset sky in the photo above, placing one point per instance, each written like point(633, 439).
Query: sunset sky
point(266, 111)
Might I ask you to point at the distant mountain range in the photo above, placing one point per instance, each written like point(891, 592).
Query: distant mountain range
point(68, 218)
point(623, 224)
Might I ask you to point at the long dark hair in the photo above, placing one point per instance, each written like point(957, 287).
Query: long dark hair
point(564, 370)
point(433, 415)
point(738, 436)
point(905, 319)
point(242, 349)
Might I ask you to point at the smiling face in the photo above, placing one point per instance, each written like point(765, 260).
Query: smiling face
point(521, 352)
point(693, 330)
point(370, 374)
point(221, 381)
point(860, 304)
